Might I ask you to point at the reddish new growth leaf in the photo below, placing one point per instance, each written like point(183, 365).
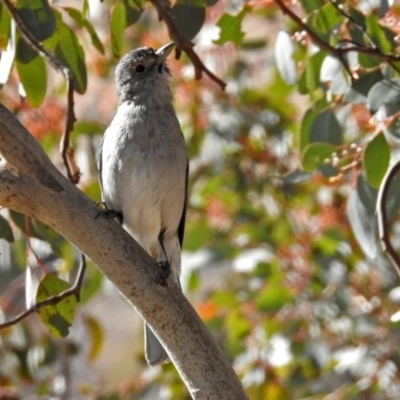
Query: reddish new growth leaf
point(47, 119)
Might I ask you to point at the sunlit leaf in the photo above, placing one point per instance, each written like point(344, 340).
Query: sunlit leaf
point(96, 337)
point(5, 27)
point(32, 73)
point(273, 298)
point(310, 77)
point(382, 37)
point(376, 159)
point(88, 127)
point(70, 52)
point(315, 155)
point(92, 282)
point(117, 27)
point(311, 5)
point(231, 28)
point(324, 20)
point(81, 21)
point(57, 318)
point(283, 57)
point(362, 224)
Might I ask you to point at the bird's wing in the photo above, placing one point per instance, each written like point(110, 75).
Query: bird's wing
point(100, 164)
point(181, 228)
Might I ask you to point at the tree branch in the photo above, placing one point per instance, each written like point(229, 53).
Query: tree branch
point(57, 64)
point(339, 51)
point(383, 223)
point(30, 184)
point(182, 44)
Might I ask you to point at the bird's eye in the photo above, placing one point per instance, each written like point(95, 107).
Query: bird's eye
point(140, 68)
point(160, 68)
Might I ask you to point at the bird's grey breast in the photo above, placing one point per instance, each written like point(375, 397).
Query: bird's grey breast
point(145, 153)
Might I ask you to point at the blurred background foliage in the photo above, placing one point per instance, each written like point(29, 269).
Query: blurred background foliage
point(281, 258)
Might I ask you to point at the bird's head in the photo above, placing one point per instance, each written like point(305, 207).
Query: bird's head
point(143, 71)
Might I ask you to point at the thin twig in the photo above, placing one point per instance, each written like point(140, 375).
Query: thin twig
point(57, 64)
point(184, 45)
point(383, 224)
point(74, 290)
point(338, 51)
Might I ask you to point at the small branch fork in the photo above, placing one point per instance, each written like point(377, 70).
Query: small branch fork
point(183, 44)
point(57, 64)
point(383, 223)
point(66, 154)
point(340, 51)
point(53, 300)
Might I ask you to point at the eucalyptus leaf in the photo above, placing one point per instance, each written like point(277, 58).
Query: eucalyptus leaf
point(376, 159)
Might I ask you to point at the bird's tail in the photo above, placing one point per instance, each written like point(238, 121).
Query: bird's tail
point(155, 353)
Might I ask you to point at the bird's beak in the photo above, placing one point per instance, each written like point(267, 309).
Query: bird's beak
point(163, 53)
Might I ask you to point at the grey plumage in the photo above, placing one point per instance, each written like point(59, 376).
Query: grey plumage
point(143, 164)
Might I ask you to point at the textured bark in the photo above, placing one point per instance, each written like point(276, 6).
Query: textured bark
point(30, 184)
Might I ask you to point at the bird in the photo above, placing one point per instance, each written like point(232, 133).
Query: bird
point(143, 165)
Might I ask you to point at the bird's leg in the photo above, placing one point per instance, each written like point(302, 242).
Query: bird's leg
point(164, 264)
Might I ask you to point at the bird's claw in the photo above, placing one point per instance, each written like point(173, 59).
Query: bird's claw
point(108, 213)
point(165, 272)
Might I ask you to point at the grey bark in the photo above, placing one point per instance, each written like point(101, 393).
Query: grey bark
point(30, 184)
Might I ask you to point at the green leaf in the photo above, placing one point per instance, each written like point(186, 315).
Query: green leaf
point(311, 5)
point(81, 21)
point(5, 230)
point(32, 73)
point(376, 160)
point(326, 128)
point(387, 93)
point(362, 224)
point(133, 11)
point(306, 124)
point(5, 27)
point(189, 17)
point(310, 78)
point(25, 224)
point(88, 127)
point(57, 318)
point(315, 154)
point(209, 3)
point(382, 37)
point(323, 20)
point(231, 28)
point(360, 88)
point(117, 26)
point(273, 298)
point(70, 52)
point(38, 17)
point(367, 194)
point(283, 58)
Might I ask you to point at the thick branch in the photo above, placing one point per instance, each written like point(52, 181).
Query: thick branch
point(383, 223)
point(30, 184)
